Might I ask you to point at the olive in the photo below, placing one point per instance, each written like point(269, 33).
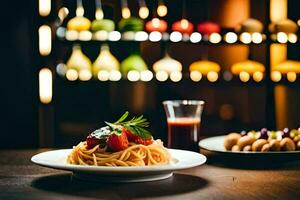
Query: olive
point(264, 133)
point(293, 133)
point(285, 133)
point(243, 133)
point(275, 135)
point(254, 134)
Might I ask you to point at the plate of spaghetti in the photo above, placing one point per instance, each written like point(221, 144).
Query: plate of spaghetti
point(122, 151)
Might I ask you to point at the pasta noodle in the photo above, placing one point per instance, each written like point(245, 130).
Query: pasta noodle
point(134, 155)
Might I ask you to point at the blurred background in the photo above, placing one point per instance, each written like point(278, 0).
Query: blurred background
point(68, 65)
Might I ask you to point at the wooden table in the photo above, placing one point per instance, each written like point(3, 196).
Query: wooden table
point(20, 179)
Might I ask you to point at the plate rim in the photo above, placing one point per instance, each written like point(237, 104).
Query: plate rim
point(200, 144)
point(99, 169)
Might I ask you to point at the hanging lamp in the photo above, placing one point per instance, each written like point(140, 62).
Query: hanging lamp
point(105, 61)
point(79, 22)
point(208, 27)
point(134, 62)
point(248, 68)
point(156, 25)
point(101, 24)
point(183, 26)
point(167, 64)
point(78, 65)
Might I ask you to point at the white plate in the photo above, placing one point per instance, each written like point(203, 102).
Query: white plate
point(215, 144)
point(181, 159)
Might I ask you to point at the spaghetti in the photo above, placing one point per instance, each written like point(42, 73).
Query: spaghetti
point(134, 155)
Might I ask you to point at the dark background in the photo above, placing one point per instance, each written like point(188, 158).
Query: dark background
point(78, 108)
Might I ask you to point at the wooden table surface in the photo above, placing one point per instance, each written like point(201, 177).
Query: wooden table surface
point(20, 179)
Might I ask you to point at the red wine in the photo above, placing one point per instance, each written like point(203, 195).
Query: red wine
point(183, 133)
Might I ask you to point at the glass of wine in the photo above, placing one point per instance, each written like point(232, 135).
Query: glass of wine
point(183, 119)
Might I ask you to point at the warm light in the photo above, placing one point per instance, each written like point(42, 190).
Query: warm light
point(167, 64)
point(195, 76)
point(195, 37)
point(245, 38)
point(282, 37)
point(215, 38)
point(71, 35)
point(146, 75)
point(62, 13)
point(45, 85)
point(212, 76)
point(161, 76)
point(298, 22)
point(176, 76)
point(288, 66)
point(141, 36)
point(143, 12)
point(276, 76)
point(258, 76)
point(162, 10)
point(44, 7)
point(128, 35)
point(114, 36)
point(291, 76)
point(72, 75)
point(230, 37)
point(248, 66)
point(244, 76)
point(257, 38)
point(45, 43)
point(205, 66)
point(292, 37)
point(79, 11)
point(114, 75)
point(85, 75)
point(85, 35)
point(155, 22)
point(103, 75)
point(133, 75)
point(101, 35)
point(61, 69)
point(126, 12)
point(184, 23)
point(99, 14)
point(155, 36)
point(175, 36)
point(278, 10)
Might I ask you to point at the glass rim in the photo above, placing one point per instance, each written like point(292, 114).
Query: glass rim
point(183, 102)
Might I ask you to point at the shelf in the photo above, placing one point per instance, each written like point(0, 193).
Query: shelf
point(225, 38)
point(140, 36)
point(219, 78)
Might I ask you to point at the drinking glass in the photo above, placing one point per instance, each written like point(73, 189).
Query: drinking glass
point(183, 119)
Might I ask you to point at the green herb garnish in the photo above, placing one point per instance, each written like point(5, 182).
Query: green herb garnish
point(136, 125)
